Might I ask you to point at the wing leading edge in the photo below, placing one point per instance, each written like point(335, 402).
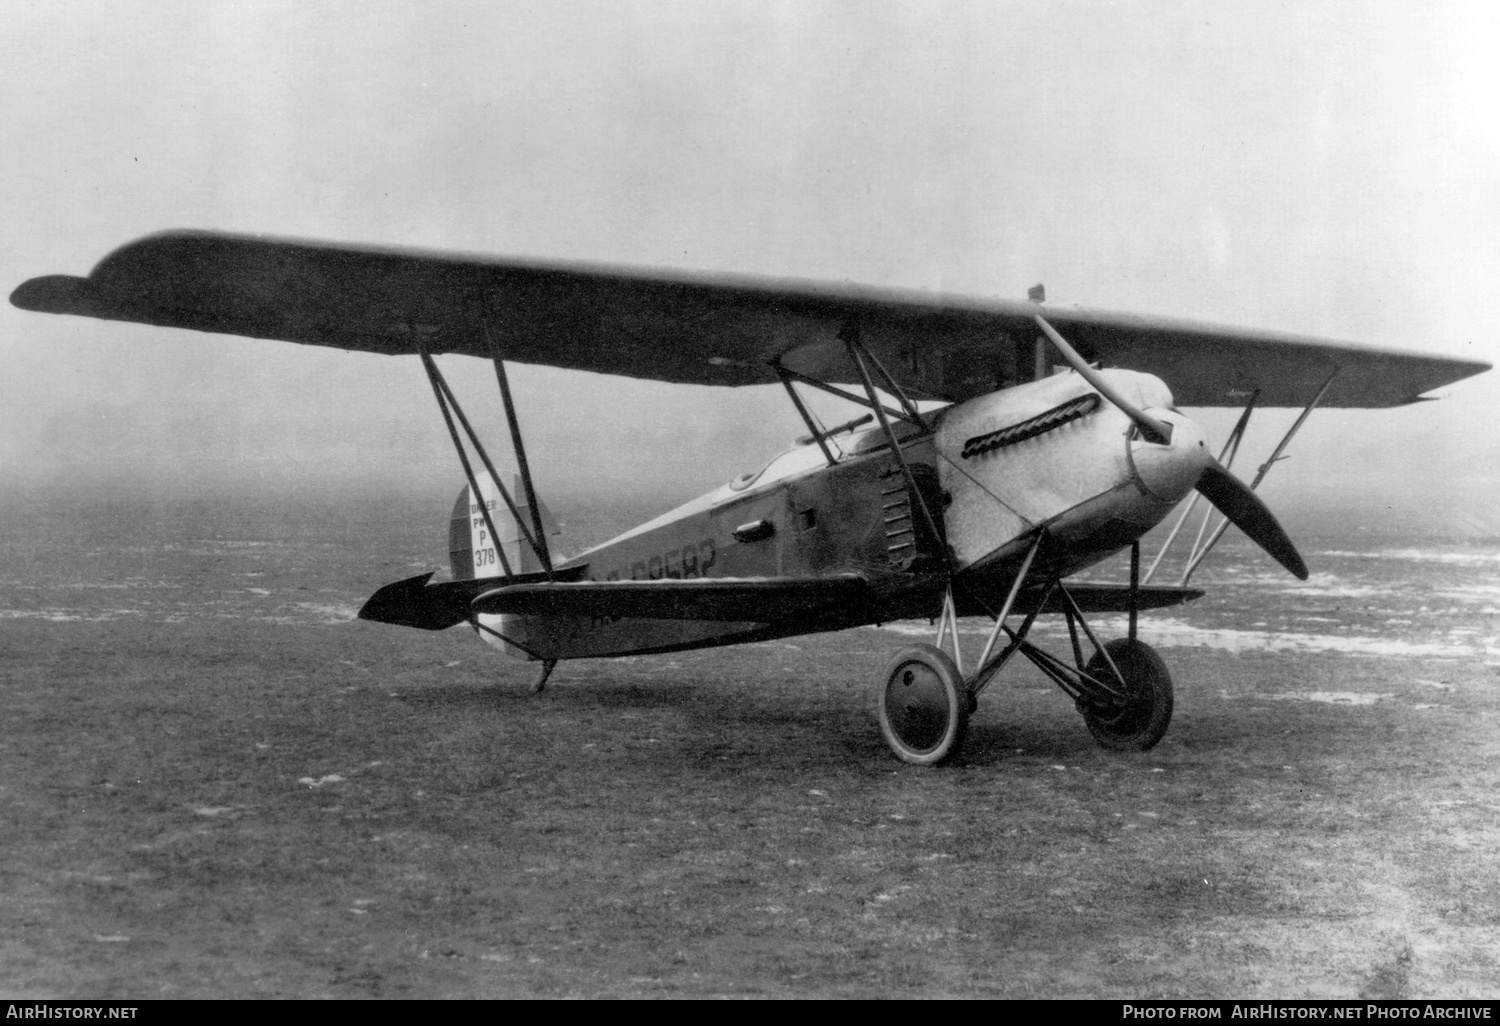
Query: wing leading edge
point(694, 329)
point(415, 602)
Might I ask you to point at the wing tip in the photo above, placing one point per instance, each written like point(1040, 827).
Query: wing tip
point(54, 293)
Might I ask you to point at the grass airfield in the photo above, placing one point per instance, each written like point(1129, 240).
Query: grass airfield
point(270, 799)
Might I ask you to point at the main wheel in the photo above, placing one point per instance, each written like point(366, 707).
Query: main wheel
point(922, 705)
point(1140, 723)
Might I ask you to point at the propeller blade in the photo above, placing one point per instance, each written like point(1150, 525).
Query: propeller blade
point(1233, 498)
point(1153, 429)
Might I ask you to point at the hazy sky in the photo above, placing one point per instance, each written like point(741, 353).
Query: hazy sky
point(1329, 169)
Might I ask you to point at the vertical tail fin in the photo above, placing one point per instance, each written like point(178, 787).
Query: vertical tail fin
point(472, 552)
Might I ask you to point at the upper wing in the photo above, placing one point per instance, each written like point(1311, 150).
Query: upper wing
point(731, 599)
point(707, 330)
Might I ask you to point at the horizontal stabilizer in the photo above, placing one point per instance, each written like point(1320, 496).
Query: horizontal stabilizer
point(728, 599)
point(436, 607)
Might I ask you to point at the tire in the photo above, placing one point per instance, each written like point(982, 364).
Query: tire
point(1143, 721)
point(923, 705)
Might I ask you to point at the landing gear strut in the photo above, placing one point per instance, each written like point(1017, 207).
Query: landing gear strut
point(1124, 692)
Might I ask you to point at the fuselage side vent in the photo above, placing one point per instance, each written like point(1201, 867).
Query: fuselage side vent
point(1074, 409)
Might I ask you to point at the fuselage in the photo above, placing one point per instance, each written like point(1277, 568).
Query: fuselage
point(994, 470)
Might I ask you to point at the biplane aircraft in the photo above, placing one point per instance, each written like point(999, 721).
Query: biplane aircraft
point(1008, 446)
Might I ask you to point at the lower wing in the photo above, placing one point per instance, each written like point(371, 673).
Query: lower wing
point(731, 599)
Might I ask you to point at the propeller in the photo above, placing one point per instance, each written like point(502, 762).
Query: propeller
point(1152, 429)
point(1243, 508)
point(1229, 495)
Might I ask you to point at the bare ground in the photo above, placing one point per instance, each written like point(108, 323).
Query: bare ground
point(258, 809)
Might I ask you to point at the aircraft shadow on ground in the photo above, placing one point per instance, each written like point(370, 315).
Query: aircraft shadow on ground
point(839, 731)
point(990, 744)
point(743, 716)
point(516, 695)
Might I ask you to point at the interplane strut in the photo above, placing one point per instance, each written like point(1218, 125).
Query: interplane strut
point(518, 445)
point(536, 535)
point(1226, 456)
point(1194, 559)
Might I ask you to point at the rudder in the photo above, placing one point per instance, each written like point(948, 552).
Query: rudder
point(473, 553)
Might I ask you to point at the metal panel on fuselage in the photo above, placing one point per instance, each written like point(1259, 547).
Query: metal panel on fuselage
point(857, 509)
point(1076, 478)
point(700, 544)
point(822, 521)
